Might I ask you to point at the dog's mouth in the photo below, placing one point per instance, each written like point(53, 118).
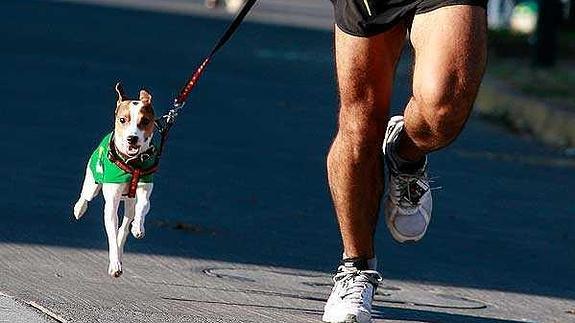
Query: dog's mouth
point(133, 149)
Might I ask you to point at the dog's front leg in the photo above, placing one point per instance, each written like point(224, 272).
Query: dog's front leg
point(112, 195)
point(142, 207)
point(129, 210)
point(89, 190)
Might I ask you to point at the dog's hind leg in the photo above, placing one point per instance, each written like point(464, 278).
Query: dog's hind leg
point(112, 196)
point(124, 231)
point(89, 190)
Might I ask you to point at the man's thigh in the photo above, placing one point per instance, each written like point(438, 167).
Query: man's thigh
point(365, 70)
point(450, 57)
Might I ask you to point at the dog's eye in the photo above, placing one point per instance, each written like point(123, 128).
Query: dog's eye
point(145, 121)
point(122, 120)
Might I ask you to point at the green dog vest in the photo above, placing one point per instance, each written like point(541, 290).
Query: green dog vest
point(105, 171)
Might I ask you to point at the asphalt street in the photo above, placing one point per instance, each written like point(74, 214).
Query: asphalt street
point(241, 227)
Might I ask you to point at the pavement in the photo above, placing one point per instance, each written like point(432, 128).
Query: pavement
point(241, 227)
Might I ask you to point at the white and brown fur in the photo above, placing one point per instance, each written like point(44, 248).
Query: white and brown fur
point(133, 130)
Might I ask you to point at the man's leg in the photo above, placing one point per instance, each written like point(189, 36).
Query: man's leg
point(450, 57)
point(365, 71)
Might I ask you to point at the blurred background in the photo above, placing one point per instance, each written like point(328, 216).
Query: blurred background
point(532, 54)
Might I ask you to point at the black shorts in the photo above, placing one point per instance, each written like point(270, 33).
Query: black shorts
point(371, 17)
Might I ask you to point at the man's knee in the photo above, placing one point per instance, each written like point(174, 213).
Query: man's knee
point(445, 108)
point(361, 130)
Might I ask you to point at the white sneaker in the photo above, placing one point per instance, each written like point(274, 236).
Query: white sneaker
point(408, 203)
point(352, 295)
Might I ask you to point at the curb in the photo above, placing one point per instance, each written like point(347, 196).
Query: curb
point(14, 310)
point(551, 125)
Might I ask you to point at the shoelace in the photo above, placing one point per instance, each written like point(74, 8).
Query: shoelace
point(410, 188)
point(354, 283)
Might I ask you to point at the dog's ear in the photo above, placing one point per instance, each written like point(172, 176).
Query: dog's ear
point(120, 92)
point(145, 97)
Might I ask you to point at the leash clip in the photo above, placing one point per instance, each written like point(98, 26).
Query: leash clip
point(173, 113)
point(168, 119)
point(179, 104)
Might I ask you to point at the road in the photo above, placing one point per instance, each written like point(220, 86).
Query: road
point(241, 227)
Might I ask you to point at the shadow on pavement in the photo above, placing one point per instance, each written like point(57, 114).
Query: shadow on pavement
point(411, 315)
point(379, 312)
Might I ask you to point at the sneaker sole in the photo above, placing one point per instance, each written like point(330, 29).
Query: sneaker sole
point(349, 319)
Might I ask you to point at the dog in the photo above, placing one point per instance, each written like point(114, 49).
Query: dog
point(121, 167)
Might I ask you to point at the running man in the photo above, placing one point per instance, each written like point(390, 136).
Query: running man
point(449, 41)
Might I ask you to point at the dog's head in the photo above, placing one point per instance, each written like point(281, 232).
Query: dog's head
point(134, 125)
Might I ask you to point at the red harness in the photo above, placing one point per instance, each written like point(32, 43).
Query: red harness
point(135, 172)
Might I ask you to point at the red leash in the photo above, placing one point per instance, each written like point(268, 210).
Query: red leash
point(164, 123)
point(185, 92)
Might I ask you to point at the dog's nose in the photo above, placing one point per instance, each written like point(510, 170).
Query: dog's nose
point(132, 140)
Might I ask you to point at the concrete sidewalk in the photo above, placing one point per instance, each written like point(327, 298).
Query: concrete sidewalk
point(158, 288)
point(241, 227)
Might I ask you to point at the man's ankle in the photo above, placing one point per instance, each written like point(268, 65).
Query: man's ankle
point(360, 263)
point(403, 164)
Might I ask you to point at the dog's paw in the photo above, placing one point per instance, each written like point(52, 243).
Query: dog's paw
point(138, 231)
point(115, 269)
point(80, 208)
